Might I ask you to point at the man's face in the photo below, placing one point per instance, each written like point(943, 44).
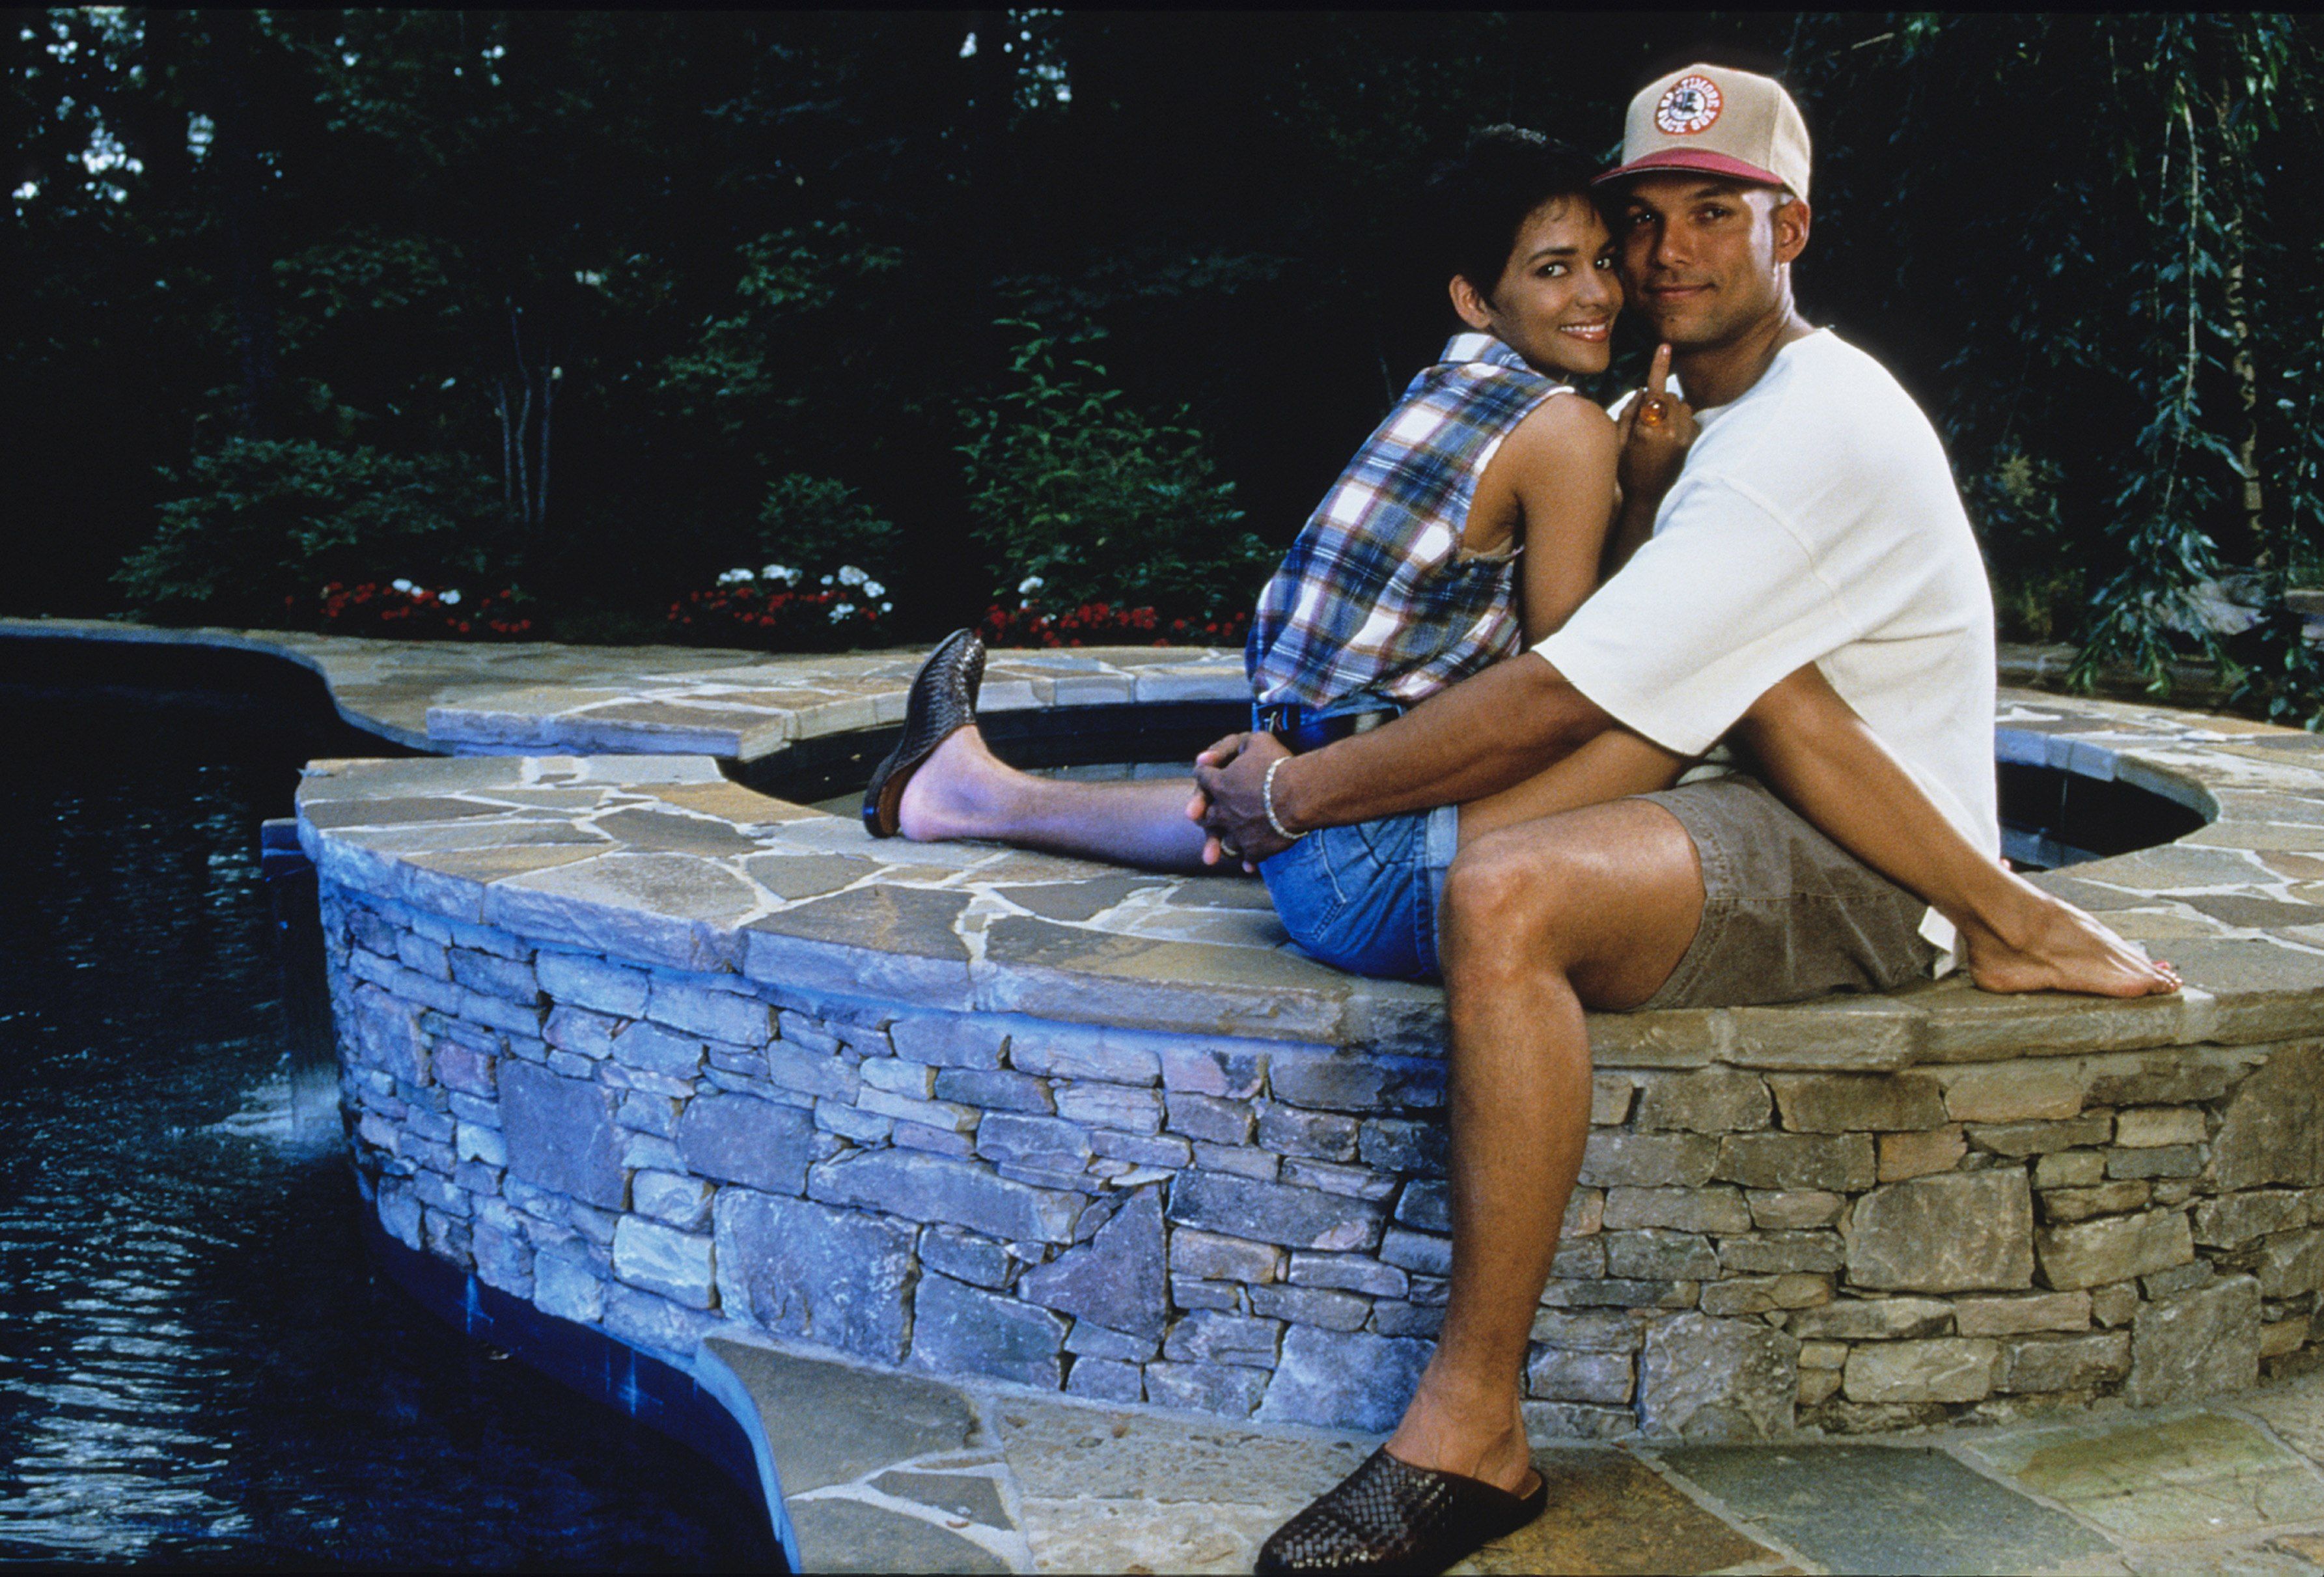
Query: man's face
point(1556, 300)
point(1702, 256)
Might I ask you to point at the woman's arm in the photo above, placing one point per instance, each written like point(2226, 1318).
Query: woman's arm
point(1656, 428)
point(1558, 470)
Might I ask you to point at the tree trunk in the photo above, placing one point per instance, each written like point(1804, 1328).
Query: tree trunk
point(548, 411)
point(242, 178)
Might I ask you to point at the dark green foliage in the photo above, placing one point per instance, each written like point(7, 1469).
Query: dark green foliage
point(2085, 217)
point(702, 289)
point(263, 525)
point(818, 526)
point(1089, 502)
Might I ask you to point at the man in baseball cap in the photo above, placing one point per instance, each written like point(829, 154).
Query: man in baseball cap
point(1815, 537)
point(1717, 121)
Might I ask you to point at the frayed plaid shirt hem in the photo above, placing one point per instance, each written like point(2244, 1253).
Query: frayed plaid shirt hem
point(1374, 598)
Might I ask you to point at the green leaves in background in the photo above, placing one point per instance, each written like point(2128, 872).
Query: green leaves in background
point(263, 525)
point(1072, 489)
point(696, 290)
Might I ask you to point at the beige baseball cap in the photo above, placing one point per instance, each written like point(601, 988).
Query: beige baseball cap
point(1720, 121)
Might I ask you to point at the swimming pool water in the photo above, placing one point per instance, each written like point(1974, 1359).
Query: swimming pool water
point(199, 1365)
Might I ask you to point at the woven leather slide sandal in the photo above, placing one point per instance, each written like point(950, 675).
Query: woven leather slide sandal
point(1389, 1516)
point(943, 701)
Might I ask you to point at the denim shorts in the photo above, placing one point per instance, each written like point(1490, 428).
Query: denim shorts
point(1364, 898)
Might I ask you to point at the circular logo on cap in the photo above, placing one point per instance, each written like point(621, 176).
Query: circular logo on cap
point(1689, 106)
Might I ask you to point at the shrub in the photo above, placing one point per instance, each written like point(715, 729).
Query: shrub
point(1071, 488)
point(405, 610)
point(262, 526)
point(821, 526)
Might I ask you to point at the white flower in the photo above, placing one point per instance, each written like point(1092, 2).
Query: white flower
point(735, 577)
point(887, 607)
point(1030, 584)
point(826, 580)
point(782, 572)
point(872, 588)
point(840, 612)
point(851, 575)
point(404, 586)
point(450, 599)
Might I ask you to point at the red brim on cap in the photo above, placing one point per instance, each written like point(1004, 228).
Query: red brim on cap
point(1700, 160)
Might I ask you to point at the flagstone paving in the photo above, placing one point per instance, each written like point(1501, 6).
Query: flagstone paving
point(891, 1472)
point(676, 869)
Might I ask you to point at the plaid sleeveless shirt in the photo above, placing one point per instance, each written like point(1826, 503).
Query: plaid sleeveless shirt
point(1374, 598)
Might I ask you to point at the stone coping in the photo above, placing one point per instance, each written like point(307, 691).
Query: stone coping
point(706, 875)
point(675, 1059)
point(457, 697)
point(662, 858)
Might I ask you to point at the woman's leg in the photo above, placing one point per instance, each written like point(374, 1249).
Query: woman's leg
point(965, 791)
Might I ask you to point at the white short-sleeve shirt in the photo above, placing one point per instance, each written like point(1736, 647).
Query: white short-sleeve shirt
point(1815, 520)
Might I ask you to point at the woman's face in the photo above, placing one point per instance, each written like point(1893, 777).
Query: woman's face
point(1557, 297)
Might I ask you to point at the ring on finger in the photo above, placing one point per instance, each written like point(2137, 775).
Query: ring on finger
point(1650, 411)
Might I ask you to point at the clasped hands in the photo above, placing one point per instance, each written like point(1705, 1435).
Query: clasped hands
point(1230, 800)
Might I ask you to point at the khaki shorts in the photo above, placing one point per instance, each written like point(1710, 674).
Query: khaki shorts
point(1786, 912)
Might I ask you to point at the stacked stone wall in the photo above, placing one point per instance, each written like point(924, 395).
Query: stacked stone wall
point(1248, 1227)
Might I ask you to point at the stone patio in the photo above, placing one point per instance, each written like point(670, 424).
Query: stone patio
point(885, 1472)
point(473, 698)
point(706, 1070)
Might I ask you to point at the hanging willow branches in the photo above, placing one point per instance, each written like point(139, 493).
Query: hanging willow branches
point(2134, 311)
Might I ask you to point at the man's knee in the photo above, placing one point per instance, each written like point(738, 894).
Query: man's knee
point(1505, 898)
point(1595, 895)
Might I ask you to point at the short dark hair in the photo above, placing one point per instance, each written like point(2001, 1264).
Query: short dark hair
point(1474, 206)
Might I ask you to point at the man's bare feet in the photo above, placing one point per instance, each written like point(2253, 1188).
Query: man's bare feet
point(960, 791)
point(2053, 946)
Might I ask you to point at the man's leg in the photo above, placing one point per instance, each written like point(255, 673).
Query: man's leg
point(964, 791)
point(1593, 908)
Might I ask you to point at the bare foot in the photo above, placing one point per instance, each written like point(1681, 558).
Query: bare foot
point(1446, 1437)
point(959, 792)
point(2055, 946)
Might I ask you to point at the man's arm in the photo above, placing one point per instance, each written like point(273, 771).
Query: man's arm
point(1478, 737)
